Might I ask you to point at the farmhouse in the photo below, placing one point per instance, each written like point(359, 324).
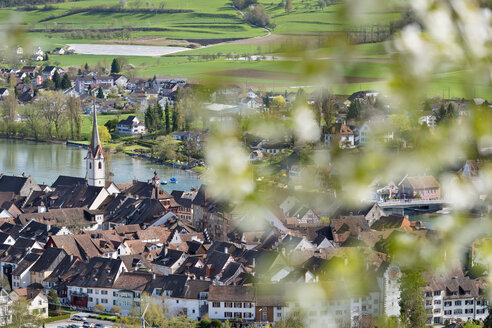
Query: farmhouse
point(131, 126)
point(423, 187)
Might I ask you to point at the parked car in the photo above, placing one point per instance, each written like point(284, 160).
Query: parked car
point(86, 324)
point(77, 317)
point(99, 325)
point(74, 326)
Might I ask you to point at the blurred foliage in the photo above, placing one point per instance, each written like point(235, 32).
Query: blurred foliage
point(434, 37)
point(440, 35)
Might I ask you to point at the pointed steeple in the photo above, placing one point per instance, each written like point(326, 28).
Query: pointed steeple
point(95, 141)
point(96, 175)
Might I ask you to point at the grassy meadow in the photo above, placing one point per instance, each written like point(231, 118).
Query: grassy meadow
point(101, 120)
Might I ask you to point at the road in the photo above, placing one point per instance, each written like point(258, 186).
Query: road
point(65, 323)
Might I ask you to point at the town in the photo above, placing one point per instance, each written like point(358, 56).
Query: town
point(89, 244)
point(245, 164)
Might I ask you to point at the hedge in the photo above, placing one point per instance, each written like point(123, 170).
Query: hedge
point(145, 143)
point(58, 317)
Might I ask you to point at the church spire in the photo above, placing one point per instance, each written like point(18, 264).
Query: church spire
point(95, 169)
point(95, 141)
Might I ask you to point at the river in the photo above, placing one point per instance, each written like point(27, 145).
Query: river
point(46, 161)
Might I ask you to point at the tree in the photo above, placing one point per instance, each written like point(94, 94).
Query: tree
point(191, 150)
point(33, 119)
point(472, 324)
point(86, 67)
point(181, 321)
point(175, 119)
point(166, 147)
point(74, 108)
point(52, 108)
point(21, 317)
point(111, 125)
point(451, 113)
point(257, 15)
point(100, 93)
point(65, 82)
point(9, 111)
point(57, 80)
point(104, 135)
point(278, 104)
point(46, 57)
point(215, 324)
point(154, 315)
point(159, 115)
point(354, 110)
point(204, 323)
point(167, 118)
point(387, 322)
point(293, 320)
point(242, 4)
point(53, 301)
point(441, 114)
point(48, 84)
point(412, 310)
point(288, 6)
point(487, 323)
point(324, 105)
point(149, 119)
point(153, 117)
point(301, 98)
point(99, 308)
point(115, 66)
point(115, 309)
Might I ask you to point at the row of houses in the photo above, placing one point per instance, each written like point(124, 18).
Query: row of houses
point(96, 242)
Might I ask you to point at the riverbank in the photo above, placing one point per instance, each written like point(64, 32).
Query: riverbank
point(142, 156)
point(46, 161)
point(58, 142)
point(195, 169)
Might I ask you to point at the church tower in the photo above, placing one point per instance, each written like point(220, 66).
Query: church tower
point(95, 156)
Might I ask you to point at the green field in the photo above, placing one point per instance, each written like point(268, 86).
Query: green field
point(101, 120)
point(217, 21)
point(213, 19)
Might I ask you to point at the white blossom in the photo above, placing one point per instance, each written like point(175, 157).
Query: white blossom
point(305, 126)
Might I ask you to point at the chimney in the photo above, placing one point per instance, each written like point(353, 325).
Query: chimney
point(153, 276)
point(254, 263)
point(226, 250)
point(208, 270)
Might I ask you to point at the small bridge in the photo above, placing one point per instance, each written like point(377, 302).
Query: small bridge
point(415, 205)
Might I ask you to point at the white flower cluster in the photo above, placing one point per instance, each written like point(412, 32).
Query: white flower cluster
point(305, 126)
point(229, 175)
point(454, 32)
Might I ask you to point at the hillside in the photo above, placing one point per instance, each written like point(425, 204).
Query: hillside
point(226, 47)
